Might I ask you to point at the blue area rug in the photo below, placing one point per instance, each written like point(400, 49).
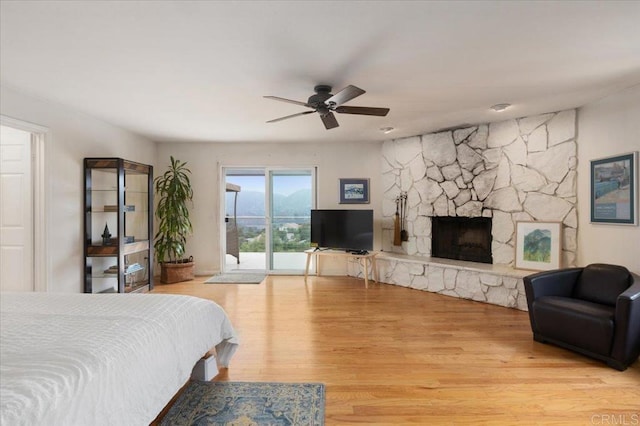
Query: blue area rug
point(239, 403)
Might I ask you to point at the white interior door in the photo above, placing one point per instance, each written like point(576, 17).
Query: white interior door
point(16, 211)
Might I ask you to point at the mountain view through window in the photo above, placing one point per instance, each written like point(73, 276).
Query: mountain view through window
point(290, 217)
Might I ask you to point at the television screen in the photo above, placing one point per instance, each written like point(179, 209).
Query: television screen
point(342, 229)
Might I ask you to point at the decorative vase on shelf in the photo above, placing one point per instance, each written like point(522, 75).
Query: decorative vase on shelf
point(106, 236)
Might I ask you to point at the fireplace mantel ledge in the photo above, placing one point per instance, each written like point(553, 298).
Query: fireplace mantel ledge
point(502, 270)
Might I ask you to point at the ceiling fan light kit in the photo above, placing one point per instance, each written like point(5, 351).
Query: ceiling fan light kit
point(325, 104)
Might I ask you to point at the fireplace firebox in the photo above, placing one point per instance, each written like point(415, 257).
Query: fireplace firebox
point(461, 238)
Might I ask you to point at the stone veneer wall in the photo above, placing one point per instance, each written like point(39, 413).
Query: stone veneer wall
point(514, 170)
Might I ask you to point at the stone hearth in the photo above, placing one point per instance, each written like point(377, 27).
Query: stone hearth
point(495, 284)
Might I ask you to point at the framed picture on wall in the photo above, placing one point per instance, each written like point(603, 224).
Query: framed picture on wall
point(538, 245)
point(614, 192)
point(354, 191)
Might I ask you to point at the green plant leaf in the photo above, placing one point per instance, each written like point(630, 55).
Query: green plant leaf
point(174, 193)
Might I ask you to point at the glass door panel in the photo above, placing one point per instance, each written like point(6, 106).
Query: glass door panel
point(291, 198)
point(245, 220)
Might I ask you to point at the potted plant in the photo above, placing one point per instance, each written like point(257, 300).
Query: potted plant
point(174, 191)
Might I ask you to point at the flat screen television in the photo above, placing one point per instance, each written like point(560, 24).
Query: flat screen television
point(350, 230)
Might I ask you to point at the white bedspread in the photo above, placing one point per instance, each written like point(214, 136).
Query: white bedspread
point(108, 359)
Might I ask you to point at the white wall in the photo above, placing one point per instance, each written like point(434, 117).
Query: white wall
point(608, 127)
point(334, 161)
point(73, 136)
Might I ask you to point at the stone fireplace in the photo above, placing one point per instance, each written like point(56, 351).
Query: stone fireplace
point(461, 238)
point(500, 173)
point(510, 171)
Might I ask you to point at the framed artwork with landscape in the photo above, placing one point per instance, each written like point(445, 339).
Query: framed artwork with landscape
point(354, 191)
point(614, 196)
point(538, 245)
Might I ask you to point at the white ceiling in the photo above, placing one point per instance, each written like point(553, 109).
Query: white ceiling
point(197, 71)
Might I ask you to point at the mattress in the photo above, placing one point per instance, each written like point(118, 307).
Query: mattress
point(107, 359)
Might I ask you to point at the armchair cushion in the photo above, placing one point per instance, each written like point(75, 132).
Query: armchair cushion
point(600, 283)
point(577, 322)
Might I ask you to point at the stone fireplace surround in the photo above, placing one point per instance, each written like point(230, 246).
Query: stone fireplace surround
point(515, 170)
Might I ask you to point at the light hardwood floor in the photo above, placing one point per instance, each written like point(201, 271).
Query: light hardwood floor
point(393, 355)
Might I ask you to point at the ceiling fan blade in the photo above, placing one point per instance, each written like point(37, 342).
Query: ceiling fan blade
point(276, 98)
point(380, 112)
point(344, 95)
point(329, 120)
point(290, 116)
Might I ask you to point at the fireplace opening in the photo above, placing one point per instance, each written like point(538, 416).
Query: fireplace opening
point(461, 238)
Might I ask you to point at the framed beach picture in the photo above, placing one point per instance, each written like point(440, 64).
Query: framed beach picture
point(354, 191)
point(614, 192)
point(538, 245)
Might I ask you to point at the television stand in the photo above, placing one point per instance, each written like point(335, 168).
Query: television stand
point(363, 257)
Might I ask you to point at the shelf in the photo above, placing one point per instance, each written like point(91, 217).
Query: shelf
point(130, 191)
point(136, 246)
point(112, 165)
point(104, 276)
point(112, 250)
point(131, 269)
point(109, 211)
point(114, 208)
point(102, 251)
point(141, 287)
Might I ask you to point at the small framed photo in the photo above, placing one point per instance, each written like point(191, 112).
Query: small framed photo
point(614, 192)
point(538, 245)
point(354, 191)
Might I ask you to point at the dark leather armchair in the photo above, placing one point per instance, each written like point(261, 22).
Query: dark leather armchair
point(593, 310)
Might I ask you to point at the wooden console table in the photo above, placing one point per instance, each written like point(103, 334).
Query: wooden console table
point(363, 260)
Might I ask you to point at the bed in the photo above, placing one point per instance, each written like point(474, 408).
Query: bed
point(107, 359)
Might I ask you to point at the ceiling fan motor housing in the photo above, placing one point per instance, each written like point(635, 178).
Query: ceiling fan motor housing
point(323, 92)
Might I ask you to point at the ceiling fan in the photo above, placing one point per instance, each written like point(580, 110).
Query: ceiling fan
point(325, 103)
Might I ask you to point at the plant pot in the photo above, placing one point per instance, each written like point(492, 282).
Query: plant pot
point(176, 272)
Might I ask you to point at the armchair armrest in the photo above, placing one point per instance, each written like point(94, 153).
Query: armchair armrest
point(626, 341)
point(633, 292)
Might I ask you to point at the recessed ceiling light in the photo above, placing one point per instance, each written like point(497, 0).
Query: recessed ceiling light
point(500, 107)
point(386, 130)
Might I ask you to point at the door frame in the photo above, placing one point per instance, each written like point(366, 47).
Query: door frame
point(40, 137)
point(222, 201)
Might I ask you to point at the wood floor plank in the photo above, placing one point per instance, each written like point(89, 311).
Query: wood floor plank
point(390, 355)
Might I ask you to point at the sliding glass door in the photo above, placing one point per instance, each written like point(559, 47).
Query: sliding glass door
point(291, 201)
point(267, 218)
